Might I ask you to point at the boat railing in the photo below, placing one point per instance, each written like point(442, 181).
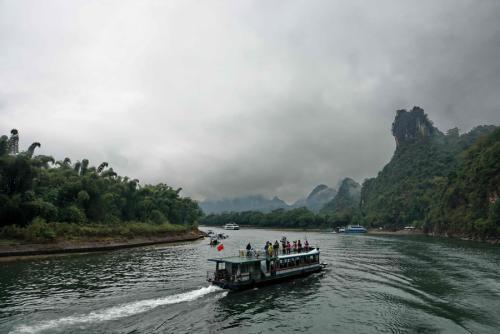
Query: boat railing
point(255, 253)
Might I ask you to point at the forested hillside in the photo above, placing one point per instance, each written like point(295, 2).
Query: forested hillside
point(317, 198)
point(425, 163)
point(468, 203)
point(345, 205)
point(295, 218)
point(36, 188)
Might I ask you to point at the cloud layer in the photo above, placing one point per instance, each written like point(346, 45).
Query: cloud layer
point(229, 98)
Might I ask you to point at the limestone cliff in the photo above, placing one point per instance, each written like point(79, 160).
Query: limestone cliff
point(410, 126)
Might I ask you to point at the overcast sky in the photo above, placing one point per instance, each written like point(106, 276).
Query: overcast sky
point(230, 98)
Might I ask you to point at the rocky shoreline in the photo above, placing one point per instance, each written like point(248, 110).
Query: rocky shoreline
point(17, 251)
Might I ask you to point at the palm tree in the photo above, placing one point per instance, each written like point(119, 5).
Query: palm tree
point(84, 166)
point(109, 173)
point(64, 163)
point(32, 148)
point(14, 142)
point(77, 166)
point(101, 167)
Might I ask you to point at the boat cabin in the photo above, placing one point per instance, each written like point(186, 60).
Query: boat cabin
point(237, 269)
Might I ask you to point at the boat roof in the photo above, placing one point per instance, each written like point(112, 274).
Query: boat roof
point(238, 259)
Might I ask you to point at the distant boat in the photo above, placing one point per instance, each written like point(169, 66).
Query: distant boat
point(355, 229)
point(342, 230)
point(231, 226)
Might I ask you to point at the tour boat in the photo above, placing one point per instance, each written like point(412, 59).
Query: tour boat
point(355, 229)
point(231, 226)
point(244, 272)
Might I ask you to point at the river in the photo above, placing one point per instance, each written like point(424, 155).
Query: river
point(372, 284)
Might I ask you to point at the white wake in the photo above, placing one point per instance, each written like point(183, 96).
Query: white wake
point(116, 312)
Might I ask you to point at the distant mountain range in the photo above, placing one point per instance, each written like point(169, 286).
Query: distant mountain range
point(347, 199)
point(318, 197)
point(240, 204)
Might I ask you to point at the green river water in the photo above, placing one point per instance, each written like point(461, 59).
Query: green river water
point(372, 284)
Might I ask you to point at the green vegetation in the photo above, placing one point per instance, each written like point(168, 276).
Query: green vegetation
point(468, 202)
point(300, 218)
point(39, 231)
point(296, 218)
point(41, 199)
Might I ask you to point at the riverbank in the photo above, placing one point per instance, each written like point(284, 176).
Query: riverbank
point(13, 250)
point(400, 232)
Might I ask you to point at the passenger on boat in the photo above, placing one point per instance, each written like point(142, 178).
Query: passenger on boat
point(288, 247)
point(276, 248)
point(270, 249)
point(299, 247)
point(249, 248)
point(306, 246)
point(295, 246)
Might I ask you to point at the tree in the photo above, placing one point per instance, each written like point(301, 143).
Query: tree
point(31, 149)
point(77, 167)
point(101, 167)
point(84, 166)
point(14, 142)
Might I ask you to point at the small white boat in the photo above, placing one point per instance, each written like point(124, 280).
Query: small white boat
point(231, 226)
point(355, 229)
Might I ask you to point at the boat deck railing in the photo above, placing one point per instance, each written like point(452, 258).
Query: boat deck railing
point(255, 253)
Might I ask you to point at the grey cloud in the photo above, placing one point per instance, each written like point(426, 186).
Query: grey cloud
point(235, 98)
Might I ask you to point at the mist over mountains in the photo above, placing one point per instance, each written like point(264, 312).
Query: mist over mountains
point(240, 204)
point(314, 201)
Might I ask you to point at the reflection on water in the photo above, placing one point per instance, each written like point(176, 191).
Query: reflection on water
point(372, 284)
